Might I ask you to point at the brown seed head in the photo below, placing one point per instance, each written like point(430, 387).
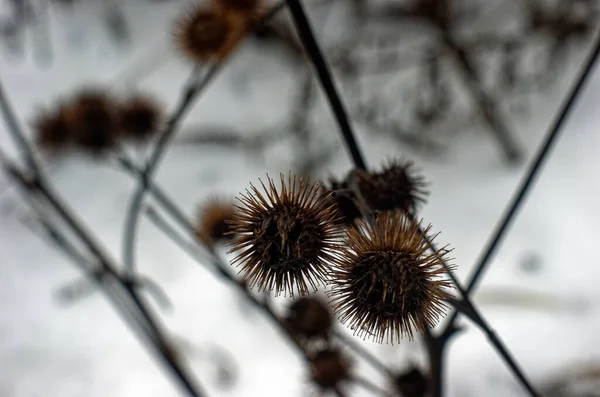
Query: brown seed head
point(396, 186)
point(411, 383)
point(206, 34)
point(309, 318)
point(213, 225)
point(139, 118)
point(287, 237)
point(52, 130)
point(92, 120)
point(344, 201)
point(388, 283)
point(329, 368)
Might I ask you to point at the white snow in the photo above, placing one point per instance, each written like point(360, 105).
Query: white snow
point(85, 349)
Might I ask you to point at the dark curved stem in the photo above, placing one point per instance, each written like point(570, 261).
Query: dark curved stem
point(316, 55)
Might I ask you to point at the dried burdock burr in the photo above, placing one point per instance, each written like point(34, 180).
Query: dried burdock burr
point(52, 130)
point(411, 383)
point(140, 118)
point(92, 120)
point(396, 186)
point(308, 318)
point(213, 225)
point(287, 238)
point(207, 34)
point(330, 368)
point(388, 283)
point(344, 200)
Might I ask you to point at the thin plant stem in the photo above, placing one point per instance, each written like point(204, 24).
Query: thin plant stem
point(370, 386)
point(37, 187)
point(534, 169)
point(180, 241)
point(309, 41)
point(362, 352)
point(190, 93)
point(536, 166)
point(126, 296)
point(13, 128)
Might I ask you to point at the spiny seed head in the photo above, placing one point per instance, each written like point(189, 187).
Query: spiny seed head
point(52, 130)
point(213, 225)
point(396, 186)
point(92, 120)
point(139, 118)
point(287, 238)
point(329, 368)
point(344, 201)
point(388, 284)
point(309, 318)
point(411, 383)
point(205, 34)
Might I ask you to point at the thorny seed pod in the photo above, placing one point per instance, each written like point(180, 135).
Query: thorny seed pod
point(344, 201)
point(287, 239)
point(92, 120)
point(396, 186)
point(330, 368)
point(213, 223)
point(309, 318)
point(206, 34)
point(52, 130)
point(411, 383)
point(139, 118)
point(388, 284)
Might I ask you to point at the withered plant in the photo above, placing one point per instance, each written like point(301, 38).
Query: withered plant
point(362, 236)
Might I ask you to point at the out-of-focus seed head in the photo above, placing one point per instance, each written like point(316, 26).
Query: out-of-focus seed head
point(388, 283)
point(205, 34)
point(411, 383)
point(309, 318)
point(330, 368)
point(287, 238)
point(52, 130)
point(396, 186)
point(344, 201)
point(140, 118)
point(213, 225)
point(92, 120)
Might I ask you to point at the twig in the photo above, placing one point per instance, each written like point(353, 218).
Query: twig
point(37, 187)
point(362, 352)
point(314, 52)
point(190, 93)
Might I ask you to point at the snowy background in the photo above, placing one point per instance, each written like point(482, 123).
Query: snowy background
point(541, 294)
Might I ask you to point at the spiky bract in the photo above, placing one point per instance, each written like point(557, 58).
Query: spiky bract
point(329, 368)
point(139, 118)
point(52, 130)
point(206, 34)
point(396, 186)
point(92, 119)
point(287, 238)
point(308, 318)
point(388, 284)
point(344, 200)
point(213, 223)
